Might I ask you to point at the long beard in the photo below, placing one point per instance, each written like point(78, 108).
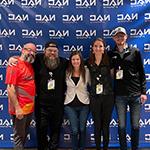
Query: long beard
point(29, 58)
point(51, 63)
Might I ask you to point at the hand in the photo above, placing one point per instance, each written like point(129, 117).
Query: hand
point(143, 98)
point(13, 61)
point(19, 113)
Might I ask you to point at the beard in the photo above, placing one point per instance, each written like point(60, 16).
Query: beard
point(29, 58)
point(51, 63)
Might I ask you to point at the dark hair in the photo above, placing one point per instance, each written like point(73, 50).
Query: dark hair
point(70, 68)
point(105, 59)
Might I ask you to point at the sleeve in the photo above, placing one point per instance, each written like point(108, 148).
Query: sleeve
point(66, 62)
point(109, 54)
point(37, 66)
point(86, 62)
point(11, 75)
point(141, 72)
point(37, 61)
point(88, 78)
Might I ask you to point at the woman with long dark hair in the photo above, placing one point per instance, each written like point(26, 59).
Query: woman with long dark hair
point(101, 94)
point(77, 99)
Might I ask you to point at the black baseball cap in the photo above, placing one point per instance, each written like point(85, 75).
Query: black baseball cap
point(51, 44)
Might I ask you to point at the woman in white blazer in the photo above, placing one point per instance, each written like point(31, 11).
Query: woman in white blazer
point(77, 99)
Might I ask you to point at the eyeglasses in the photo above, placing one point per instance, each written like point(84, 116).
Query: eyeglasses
point(29, 49)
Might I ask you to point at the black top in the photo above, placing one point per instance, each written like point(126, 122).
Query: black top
point(43, 74)
point(100, 74)
point(133, 82)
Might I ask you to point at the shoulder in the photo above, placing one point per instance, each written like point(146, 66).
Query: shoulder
point(64, 62)
point(110, 53)
point(12, 72)
point(39, 56)
point(18, 65)
point(38, 59)
point(12, 68)
point(63, 59)
point(86, 63)
point(86, 69)
point(134, 50)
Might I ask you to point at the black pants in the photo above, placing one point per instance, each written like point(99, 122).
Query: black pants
point(48, 123)
point(21, 127)
point(101, 108)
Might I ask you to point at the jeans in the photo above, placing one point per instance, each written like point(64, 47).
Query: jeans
point(134, 105)
point(77, 117)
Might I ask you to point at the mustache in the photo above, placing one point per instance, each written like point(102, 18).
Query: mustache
point(29, 58)
point(31, 55)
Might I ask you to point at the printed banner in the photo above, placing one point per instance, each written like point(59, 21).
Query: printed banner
point(73, 24)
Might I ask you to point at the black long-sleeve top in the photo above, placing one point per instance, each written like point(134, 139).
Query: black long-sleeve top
point(100, 74)
point(43, 74)
point(133, 82)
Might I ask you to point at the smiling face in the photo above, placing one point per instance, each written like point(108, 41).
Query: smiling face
point(98, 48)
point(51, 57)
point(120, 39)
point(29, 52)
point(76, 61)
point(51, 52)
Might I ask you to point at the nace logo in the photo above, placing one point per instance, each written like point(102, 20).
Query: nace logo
point(18, 18)
point(85, 3)
point(7, 3)
point(58, 3)
point(112, 3)
point(30, 3)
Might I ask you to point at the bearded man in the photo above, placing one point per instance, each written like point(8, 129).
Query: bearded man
point(21, 93)
point(50, 85)
point(49, 71)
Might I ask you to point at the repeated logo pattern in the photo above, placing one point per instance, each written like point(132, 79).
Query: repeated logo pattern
point(73, 24)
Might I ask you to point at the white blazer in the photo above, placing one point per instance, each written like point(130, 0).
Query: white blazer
point(80, 89)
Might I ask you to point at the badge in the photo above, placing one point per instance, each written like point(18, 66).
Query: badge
point(119, 74)
point(99, 88)
point(51, 85)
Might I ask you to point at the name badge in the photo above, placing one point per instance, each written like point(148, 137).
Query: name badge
point(99, 88)
point(51, 85)
point(119, 74)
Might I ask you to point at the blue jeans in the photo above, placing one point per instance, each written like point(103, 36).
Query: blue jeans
point(77, 117)
point(134, 105)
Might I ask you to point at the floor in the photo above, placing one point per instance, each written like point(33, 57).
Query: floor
point(86, 149)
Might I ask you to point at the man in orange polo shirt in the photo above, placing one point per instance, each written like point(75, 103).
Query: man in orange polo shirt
point(21, 93)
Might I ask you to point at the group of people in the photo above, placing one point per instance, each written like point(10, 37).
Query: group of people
point(76, 87)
